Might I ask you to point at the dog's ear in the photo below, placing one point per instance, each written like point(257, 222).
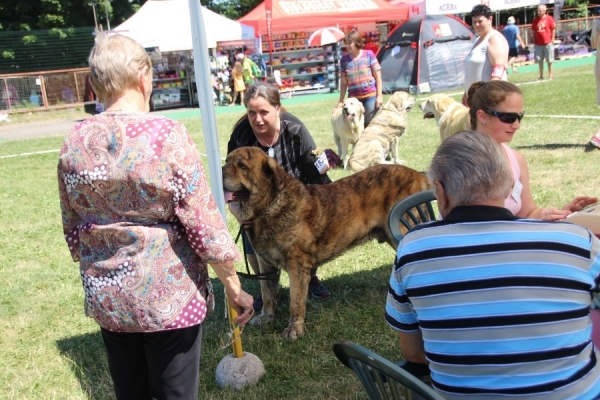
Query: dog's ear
point(275, 172)
point(443, 103)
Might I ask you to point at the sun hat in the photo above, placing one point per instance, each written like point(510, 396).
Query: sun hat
point(511, 20)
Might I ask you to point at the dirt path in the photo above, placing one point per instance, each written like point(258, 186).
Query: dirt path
point(10, 131)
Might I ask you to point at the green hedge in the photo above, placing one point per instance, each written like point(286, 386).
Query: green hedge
point(32, 51)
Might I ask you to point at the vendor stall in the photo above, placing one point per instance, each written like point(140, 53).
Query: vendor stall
point(163, 27)
point(293, 22)
point(314, 14)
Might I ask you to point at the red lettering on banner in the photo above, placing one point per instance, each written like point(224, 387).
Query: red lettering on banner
point(414, 10)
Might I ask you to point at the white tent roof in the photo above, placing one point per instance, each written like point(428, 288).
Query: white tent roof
point(166, 24)
point(439, 7)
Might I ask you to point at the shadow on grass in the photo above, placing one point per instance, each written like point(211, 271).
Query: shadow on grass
point(302, 369)
point(356, 291)
point(307, 368)
point(556, 146)
point(87, 356)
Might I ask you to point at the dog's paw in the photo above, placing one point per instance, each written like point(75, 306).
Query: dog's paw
point(292, 333)
point(399, 161)
point(261, 319)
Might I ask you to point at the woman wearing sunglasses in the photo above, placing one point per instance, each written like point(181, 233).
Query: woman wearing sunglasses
point(496, 109)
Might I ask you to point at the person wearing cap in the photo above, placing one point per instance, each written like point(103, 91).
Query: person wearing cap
point(249, 77)
point(513, 36)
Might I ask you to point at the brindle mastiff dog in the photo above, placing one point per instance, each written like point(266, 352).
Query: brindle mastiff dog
point(296, 227)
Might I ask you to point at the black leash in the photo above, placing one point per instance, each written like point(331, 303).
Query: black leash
point(265, 276)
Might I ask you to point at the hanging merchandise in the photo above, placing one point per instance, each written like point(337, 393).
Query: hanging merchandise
point(171, 86)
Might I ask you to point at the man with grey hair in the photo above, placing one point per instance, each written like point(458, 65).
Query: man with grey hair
point(496, 305)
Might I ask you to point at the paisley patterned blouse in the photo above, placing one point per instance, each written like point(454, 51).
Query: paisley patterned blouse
point(139, 217)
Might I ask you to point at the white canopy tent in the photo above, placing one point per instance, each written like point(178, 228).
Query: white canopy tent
point(166, 24)
point(438, 7)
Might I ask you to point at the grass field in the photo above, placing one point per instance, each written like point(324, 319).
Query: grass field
point(51, 351)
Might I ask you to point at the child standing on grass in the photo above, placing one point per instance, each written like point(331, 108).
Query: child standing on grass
point(239, 87)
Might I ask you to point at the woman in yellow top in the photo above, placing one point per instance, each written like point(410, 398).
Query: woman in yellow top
point(239, 87)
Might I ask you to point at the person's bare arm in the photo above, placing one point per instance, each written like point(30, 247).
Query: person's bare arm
point(343, 89)
point(520, 39)
point(579, 202)
point(379, 86)
point(239, 300)
point(413, 348)
point(498, 55)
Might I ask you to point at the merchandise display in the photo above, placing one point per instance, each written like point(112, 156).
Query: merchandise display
point(308, 67)
point(171, 85)
point(311, 68)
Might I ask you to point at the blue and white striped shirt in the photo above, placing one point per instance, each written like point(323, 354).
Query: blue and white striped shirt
point(502, 304)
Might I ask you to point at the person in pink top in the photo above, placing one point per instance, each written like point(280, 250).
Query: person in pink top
point(361, 76)
point(544, 32)
point(139, 217)
point(496, 108)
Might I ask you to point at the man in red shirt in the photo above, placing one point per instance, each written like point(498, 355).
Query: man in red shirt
point(544, 32)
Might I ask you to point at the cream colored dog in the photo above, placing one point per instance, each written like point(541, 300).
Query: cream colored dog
point(348, 123)
point(450, 115)
point(379, 140)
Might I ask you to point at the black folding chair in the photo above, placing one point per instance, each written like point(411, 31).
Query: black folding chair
point(381, 378)
point(410, 211)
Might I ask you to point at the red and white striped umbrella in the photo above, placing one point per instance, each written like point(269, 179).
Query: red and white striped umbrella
point(324, 36)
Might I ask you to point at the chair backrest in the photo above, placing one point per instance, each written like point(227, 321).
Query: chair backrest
point(381, 378)
point(410, 211)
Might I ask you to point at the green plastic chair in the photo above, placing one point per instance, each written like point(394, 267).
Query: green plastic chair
point(410, 211)
point(381, 378)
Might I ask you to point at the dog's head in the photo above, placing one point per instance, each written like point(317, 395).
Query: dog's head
point(400, 102)
point(435, 105)
point(252, 179)
point(353, 108)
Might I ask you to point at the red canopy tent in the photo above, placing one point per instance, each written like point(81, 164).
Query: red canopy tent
point(305, 14)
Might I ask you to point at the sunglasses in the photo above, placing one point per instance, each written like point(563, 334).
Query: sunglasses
point(507, 117)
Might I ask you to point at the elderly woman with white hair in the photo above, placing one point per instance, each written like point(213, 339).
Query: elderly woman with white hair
point(139, 218)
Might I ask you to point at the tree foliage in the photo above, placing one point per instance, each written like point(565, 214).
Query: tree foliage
point(27, 15)
point(21, 22)
point(54, 34)
point(232, 9)
point(19, 15)
point(577, 9)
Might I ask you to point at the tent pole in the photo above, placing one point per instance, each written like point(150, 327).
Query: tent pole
point(207, 110)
